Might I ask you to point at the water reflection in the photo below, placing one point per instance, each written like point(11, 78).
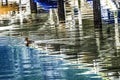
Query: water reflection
point(31, 64)
point(62, 53)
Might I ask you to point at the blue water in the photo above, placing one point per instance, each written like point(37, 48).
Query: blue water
point(18, 62)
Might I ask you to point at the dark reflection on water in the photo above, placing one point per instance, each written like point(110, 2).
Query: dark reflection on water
point(66, 54)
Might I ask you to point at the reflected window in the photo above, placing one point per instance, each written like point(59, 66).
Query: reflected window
point(4, 2)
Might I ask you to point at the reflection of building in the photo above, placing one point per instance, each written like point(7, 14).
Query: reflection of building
point(6, 6)
point(28, 6)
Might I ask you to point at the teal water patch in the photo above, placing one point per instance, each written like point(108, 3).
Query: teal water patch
point(11, 41)
point(18, 62)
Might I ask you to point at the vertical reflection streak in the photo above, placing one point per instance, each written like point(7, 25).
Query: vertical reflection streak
point(117, 42)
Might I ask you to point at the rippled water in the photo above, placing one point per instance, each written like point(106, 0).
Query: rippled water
point(62, 53)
